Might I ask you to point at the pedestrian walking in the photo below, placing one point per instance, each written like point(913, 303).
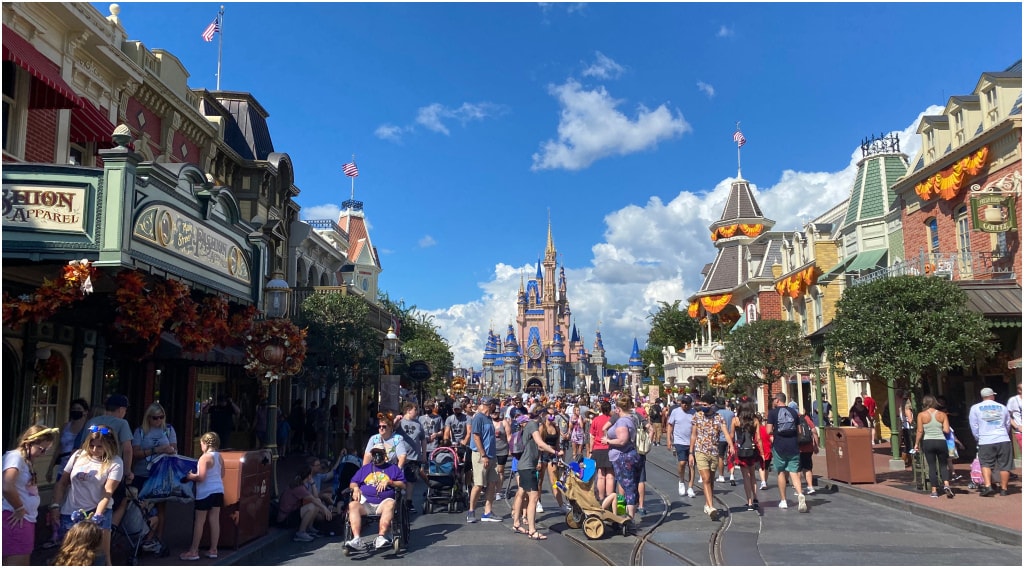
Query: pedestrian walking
point(21, 493)
point(745, 427)
point(679, 428)
point(990, 424)
point(783, 428)
point(932, 429)
point(708, 425)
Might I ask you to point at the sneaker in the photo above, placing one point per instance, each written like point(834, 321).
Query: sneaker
point(500, 495)
point(490, 518)
point(711, 512)
point(313, 532)
point(471, 517)
point(700, 480)
point(949, 491)
point(303, 537)
point(690, 493)
point(410, 507)
point(540, 508)
point(354, 544)
point(783, 504)
point(809, 491)
point(985, 491)
point(802, 503)
point(151, 546)
point(1003, 492)
point(381, 542)
point(682, 489)
point(750, 506)
point(934, 495)
point(732, 482)
point(763, 485)
point(756, 504)
point(721, 479)
point(567, 508)
point(641, 511)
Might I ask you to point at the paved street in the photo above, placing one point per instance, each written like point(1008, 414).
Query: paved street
point(846, 530)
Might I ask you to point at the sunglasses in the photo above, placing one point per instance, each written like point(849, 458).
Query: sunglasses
point(382, 427)
point(161, 417)
point(102, 430)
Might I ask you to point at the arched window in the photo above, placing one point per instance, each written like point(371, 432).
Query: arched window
point(963, 241)
point(932, 225)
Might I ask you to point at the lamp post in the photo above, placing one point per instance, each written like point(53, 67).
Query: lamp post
point(276, 299)
point(387, 393)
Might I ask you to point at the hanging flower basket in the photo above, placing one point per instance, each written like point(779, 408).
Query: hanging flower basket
point(73, 284)
point(275, 347)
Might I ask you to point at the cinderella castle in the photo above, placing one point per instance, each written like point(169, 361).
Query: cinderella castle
point(542, 361)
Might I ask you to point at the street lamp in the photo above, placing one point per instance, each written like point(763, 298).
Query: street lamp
point(276, 297)
point(389, 400)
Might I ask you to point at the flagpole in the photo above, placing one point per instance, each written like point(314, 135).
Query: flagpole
point(353, 194)
point(220, 46)
point(739, 170)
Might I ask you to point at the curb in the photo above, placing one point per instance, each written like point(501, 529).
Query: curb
point(249, 553)
point(995, 532)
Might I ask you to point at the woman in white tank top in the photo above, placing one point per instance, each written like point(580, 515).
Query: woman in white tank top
point(209, 478)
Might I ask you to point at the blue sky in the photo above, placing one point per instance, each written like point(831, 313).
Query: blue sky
point(471, 123)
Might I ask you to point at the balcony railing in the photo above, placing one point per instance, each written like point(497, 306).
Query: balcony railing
point(951, 265)
point(326, 225)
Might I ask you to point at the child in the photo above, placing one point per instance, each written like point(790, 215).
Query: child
point(209, 478)
point(80, 545)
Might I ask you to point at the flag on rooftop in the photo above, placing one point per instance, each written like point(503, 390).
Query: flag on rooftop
point(350, 169)
point(212, 29)
point(739, 139)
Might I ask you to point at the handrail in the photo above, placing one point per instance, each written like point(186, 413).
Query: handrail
point(951, 265)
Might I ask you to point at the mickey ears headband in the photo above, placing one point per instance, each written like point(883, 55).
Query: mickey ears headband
point(43, 434)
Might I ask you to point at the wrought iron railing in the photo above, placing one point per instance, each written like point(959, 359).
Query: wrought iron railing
point(326, 225)
point(951, 265)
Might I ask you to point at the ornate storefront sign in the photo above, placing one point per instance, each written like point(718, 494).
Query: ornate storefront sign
point(183, 236)
point(38, 208)
point(994, 213)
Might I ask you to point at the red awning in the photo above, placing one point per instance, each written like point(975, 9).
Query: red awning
point(49, 90)
point(90, 124)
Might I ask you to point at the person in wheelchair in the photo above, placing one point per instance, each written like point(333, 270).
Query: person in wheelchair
point(375, 487)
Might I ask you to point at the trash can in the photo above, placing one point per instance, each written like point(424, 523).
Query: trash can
point(848, 455)
point(246, 512)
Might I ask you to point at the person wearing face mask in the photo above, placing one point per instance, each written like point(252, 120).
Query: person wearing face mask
point(708, 425)
point(79, 415)
point(373, 493)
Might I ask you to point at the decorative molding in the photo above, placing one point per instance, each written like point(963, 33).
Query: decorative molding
point(75, 40)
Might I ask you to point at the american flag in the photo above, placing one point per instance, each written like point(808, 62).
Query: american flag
point(350, 170)
point(212, 29)
point(739, 139)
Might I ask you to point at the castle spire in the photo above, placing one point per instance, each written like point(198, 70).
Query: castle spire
point(550, 249)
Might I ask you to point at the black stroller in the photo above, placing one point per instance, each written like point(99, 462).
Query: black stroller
point(128, 535)
point(445, 482)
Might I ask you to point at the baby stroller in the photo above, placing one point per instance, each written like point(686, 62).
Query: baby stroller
point(577, 484)
point(445, 485)
point(127, 536)
point(977, 479)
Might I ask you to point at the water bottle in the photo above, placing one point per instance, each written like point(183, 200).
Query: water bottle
point(620, 505)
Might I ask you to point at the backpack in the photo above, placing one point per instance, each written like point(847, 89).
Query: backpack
point(745, 447)
point(656, 413)
point(786, 422)
point(516, 444)
point(643, 439)
point(804, 435)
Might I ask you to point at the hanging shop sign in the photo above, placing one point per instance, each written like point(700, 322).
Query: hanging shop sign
point(188, 238)
point(994, 213)
point(37, 208)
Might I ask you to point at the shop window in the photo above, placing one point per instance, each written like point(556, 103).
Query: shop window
point(81, 155)
point(15, 93)
point(50, 373)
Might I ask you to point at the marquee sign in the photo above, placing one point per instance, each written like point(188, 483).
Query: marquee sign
point(188, 238)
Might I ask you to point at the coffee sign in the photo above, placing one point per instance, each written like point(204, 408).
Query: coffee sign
point(181, 235)
point(993, 213)
point(34, 207)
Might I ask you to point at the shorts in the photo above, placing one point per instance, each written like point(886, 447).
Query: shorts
point(643, 469)
point(210, 501)
point(601, 459)
point(998, 456)
point(782, 463)
point(502, 460)
point(483, 477)
point(529, 480)
point(723, 448)
point(18, 541)
point(705, 462)
point(806, 462)
point(682, 452)
point(374, 509)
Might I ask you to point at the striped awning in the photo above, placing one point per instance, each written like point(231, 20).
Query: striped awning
point(90, 124)
point(48, 90)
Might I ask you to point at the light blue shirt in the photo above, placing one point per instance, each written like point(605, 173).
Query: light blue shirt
point(990, 422)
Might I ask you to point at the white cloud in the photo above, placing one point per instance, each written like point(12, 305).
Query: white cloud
point(591, 127)
point(725, 31)
point(604, 68)
point(706, 88)
point(427, 241)
point(325, 211)
point(650, 253)
point(432, 116)
point(389, 132)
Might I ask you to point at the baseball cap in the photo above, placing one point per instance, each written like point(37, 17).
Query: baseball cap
point(494, 402)
point(708, 398)
point(686, 399)
point(987, 392)
point(117, 400)
point(457, 406)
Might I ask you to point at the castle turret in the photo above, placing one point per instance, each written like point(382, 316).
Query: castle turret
point(511, 381)
point(556, 359)
point(636, 369)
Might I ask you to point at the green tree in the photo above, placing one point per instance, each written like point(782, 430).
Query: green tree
point(421, 340)
point(340, 343)
point(900, 329)
point(670, 325)
point(761, 352)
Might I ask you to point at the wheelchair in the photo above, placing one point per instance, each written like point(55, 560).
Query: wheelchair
point(398, 533)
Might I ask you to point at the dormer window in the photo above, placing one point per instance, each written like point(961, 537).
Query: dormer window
point(991, 104)
point(929, 143)
point(958, 127)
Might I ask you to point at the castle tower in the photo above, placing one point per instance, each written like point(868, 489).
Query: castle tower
point(636, 370)
point(598, 359)
point(511, 381)
point(556, 357)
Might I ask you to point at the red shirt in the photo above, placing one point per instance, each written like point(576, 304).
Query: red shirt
point(597, 431)
point(870, 404)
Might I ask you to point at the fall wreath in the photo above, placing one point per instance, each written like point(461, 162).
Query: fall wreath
point(275, 347)
point(72, 285)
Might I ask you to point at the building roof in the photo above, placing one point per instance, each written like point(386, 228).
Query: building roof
point(993, 298)
point(741, 204)
point(245, 130)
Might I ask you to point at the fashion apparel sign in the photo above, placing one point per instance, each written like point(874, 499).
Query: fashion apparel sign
point(44, 208)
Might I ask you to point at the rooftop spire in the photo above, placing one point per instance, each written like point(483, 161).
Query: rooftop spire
point(550, 249)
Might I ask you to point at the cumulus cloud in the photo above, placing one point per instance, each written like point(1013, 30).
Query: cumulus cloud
point(591, 127)
point(725, 31)
point(427, 241)
point(650, 253)
point(325, 211)
point(604, 68)
point(389, 132)
point(706, 88)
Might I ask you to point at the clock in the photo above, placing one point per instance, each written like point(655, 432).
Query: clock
point(533, 352)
